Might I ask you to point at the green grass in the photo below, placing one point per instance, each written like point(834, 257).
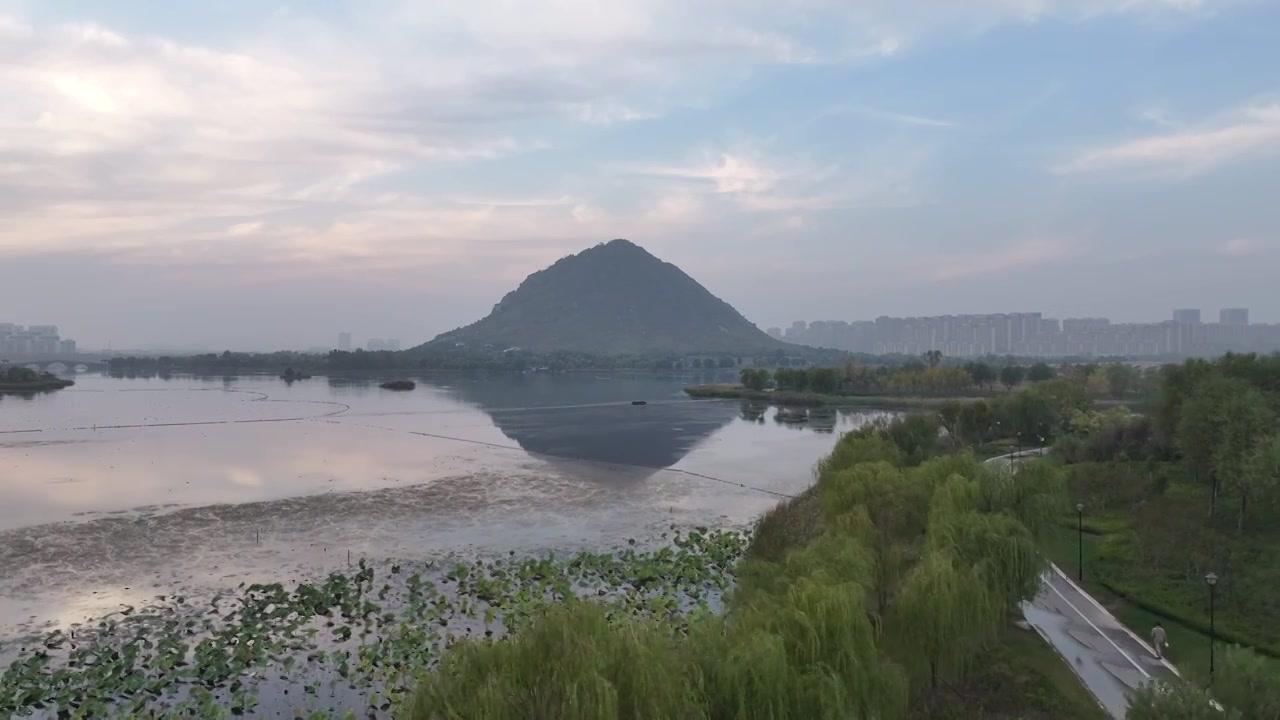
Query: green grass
point(1178, 602)
point(1021, 678)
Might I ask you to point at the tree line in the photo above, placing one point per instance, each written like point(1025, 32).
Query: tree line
point(933, 378)
point(877, 593)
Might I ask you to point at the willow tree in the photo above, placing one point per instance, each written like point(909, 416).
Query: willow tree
point(570, 664)
point(1034, 493)
point(943, 616)
point(865, 445)
point(998, 547)
point(811, 652)
point(887, 508)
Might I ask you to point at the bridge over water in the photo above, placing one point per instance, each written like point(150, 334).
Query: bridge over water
point(59, 363)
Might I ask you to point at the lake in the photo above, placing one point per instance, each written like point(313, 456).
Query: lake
point(118, 490)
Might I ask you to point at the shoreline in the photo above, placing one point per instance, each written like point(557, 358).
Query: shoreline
point(789, 398)
point(7, 388)
point(806, 399)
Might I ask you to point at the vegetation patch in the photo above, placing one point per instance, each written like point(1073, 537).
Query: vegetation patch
point(355, 641)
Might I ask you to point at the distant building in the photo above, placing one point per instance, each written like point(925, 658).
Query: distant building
point(775, 333)
point(393, 344)
point(1233, 316)
point(66, 347)
point(1187, 317)
point(43, 330)
point(344, 341)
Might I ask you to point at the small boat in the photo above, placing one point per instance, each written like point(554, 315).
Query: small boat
point(398, 385)
point(639, 402)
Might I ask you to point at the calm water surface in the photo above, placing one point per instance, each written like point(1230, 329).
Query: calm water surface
point(118, 489)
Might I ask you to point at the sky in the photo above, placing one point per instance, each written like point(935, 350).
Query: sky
point(248, 175)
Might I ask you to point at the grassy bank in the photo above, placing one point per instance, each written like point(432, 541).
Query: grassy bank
point(808, 399)
point(887, 590)
point(1148, 544)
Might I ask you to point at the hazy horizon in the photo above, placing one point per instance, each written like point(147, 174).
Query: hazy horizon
point(255, 176)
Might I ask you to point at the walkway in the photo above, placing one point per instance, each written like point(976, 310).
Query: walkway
point(1108, 658)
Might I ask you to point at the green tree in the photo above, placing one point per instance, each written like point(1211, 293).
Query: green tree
point(949, 415)
point(982, 373)
point(823, 380)
point(1121, 379)
point(1202, 427)
point(943, 615)
point(1028, 414)
point(886, 506)
point(975, 422)
point(1011, 375)
point(997, 546)
point(932, 358)
point(916, 435)
point(1039, 373)
point(754, 378)
point(1247, 419)
point(1261, 474)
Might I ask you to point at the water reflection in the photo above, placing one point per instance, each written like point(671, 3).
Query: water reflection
point(594, 419)
point(169, 483)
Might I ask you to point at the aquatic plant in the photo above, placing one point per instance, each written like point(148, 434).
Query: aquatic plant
point(357, 640)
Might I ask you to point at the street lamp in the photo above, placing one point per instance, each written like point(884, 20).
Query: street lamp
point(1212, 580)
point(1079, 542)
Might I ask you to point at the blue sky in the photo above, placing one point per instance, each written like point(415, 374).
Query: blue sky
point(243, 174)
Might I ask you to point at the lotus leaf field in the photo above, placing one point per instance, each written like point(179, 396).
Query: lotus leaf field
point(354, 644)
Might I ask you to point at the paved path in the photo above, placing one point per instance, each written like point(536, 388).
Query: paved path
point(1110, 660)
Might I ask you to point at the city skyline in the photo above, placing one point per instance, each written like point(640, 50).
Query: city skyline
point(1030, 334)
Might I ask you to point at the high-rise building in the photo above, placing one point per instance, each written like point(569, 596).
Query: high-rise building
point(344, 341)
point(1233, 316)
point(1187, 317)
point(66, 347)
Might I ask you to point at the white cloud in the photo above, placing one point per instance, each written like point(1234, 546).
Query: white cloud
point(297, 127)
point(1245, 132)
point(907, 119)
point(1021, 256)
point(1246, 247)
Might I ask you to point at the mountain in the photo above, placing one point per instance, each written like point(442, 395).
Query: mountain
point(612, 299)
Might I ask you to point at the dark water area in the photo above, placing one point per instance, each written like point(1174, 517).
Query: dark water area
point(118, 490)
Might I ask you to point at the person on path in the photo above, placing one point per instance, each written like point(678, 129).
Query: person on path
point(1159, 640)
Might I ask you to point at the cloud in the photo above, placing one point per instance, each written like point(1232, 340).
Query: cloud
point(906, 119)
point(1241, 133)
point(1021, 256)
point(299, 129)
point(1246, 247)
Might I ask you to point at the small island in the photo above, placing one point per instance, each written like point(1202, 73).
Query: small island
point(26, 380)
point(398, 385)
point(289, 375)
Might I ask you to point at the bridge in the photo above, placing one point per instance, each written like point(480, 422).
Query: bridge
point(58, 363)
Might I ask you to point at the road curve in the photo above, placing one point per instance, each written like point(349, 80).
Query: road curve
point(1110, 660)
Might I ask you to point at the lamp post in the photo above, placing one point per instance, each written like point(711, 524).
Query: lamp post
point(1212, 580)
point(1079, 542)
